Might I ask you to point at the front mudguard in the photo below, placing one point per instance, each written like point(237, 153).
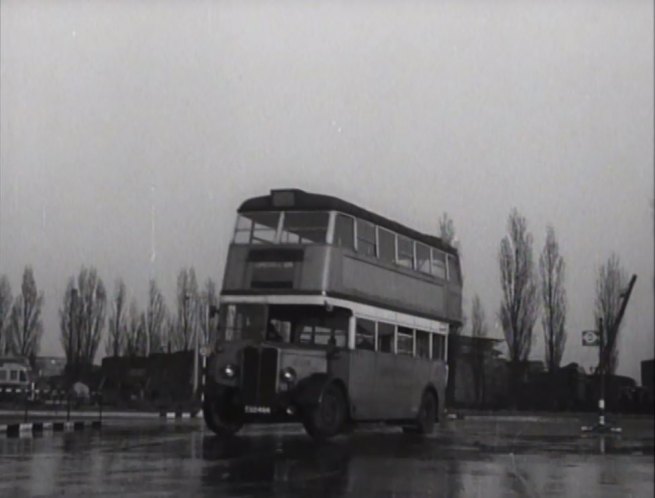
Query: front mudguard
point(309, 391)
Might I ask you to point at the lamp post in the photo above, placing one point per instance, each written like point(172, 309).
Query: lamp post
point(73, 338)
point(195, 346)
point(607, 339)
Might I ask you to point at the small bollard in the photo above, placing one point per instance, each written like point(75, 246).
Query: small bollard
point(25, 406)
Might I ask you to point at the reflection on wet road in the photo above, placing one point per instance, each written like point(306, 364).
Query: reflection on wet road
point(464, 458)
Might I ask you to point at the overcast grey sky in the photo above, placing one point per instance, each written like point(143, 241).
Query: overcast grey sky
point(115, 113)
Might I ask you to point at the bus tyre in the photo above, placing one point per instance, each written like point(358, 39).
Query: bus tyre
point(427, 414)
point(223, 415)
point(327, 418)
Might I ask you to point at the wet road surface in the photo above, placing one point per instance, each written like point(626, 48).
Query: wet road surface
point(467, 458)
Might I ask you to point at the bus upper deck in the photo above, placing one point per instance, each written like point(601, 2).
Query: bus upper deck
point(297, 243)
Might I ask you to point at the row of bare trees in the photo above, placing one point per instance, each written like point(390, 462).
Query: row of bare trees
point(524, 291)
point(137, 332)
point(131, 330)
point(529, 287)
point(84, 312)
point(21, 326)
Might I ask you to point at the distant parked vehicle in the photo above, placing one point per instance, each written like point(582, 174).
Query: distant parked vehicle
point(15, 373)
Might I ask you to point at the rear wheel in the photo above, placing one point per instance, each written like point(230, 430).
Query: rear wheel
point(427, 414)
point(224, 413)
point(326, 419)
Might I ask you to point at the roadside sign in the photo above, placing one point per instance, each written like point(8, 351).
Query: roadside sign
point(590, 338)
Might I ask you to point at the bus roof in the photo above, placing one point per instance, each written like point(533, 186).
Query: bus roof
point(296, 199)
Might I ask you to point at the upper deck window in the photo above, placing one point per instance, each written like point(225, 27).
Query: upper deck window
point(298, 227)
point(3, 375)
point(256, 228)
point(438, 264)
point(366, 238)
point(387, 241)
point(453, 269)
point(264, 227)
point(422, 258)
point(405, 252)
point(304, 227)
point(243, 230)
point(344, 231)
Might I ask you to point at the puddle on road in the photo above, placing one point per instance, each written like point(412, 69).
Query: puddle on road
point(170, 460)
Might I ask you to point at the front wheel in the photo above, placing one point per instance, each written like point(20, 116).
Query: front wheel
point(223, 414)
point(327, 418)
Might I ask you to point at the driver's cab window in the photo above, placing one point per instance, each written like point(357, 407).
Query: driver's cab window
point(242, 322)
point(278, 330)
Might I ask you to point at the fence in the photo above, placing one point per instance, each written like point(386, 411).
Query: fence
point(48, 402)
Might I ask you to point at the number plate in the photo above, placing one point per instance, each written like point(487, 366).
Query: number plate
point(258, 409)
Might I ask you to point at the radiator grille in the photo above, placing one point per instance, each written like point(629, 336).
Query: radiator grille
point(259, 375)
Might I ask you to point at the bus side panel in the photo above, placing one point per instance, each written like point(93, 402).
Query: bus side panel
point(439, 378)
point(393, 387)
point(338, 367)
point(369, 279)
point(362, 384)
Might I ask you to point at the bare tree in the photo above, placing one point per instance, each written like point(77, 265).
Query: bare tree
point(135, 339)
point(169, 333)
point(25, 324)
point(553, 296)
point(610, 282)
point(82, 318)
point(115, 345)
point(6, 299)
point(520, 300)
point(447, 229)
point(155, 316)
point(479, 330)
point(448, 235)
point(208, 300)
point(187, 309)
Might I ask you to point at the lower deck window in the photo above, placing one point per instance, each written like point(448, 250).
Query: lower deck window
point(309, 325)
point(405, 341)
point(365, 334)
point(422, 344)
point(438, 347)
point(385, 337)
point(318, 335)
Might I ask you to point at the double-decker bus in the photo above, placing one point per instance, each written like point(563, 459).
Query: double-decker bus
point(331, 315)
